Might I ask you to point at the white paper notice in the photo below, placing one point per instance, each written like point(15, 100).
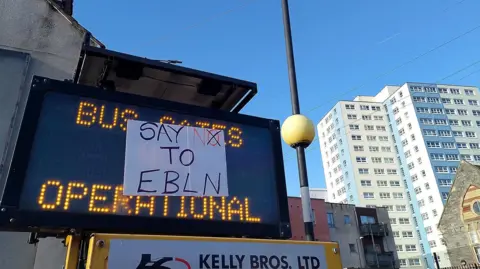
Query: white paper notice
point(174, 160)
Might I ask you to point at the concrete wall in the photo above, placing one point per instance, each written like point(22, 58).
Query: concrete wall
point(320, 227)
point(346, 234)
point(50, 42)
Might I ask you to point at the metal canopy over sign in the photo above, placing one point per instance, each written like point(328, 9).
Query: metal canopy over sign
point(157, 79)
point(68, 167)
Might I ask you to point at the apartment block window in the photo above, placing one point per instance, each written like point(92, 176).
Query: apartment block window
point(376, 160)
point(428, 229)
point(453, 169)
point(465, 157)
point(466, 123)
point(386, 149)
point(424, 216)
point(384, 195)
point(436, 111)
point(407, 234)
point(413, 262)
point(378, 117)
point(383, 138)
point(366, 183)
point(474, 146)
point(448, 145)
point(381, 128)
point(404, 221)
point(411, 165)
point(371, 138)
point(398, 195)
point(462, 145)
point(346, 219)
point(404, 142)
point(450, 111)
point(394, 183)
point(364, 107)
point(421, 203)
point(454, 91)
point(356, 137)
point(361, 159)
point(434, 212)
point(441, 169)
point(366, 117)
point(401, 208)
point(363, 171)
point(446, 100)
point(419, 99)
point(445, 182)
point(388, 160)
point(437, 156)
point(469, 92)
point(349, 107)
point(462, 112)
point(422, 110)
point(369, 128)
point(393, 221)
point(430, 199)
point(379, 171)
point(429, 132)
point(476, 112)
point(368, 195)
point(376, 108)
point(444, 133)
point(410, 248)
point(458, 133)
point(330, 220)
point(354, 127)
point(392, 171)
point(458, 101)
point(398, 121)
point(351, 116)
point(396, 233)
point(382, 183)
point(358, 148)
point(440, 122)
point(374, 149)
point(399, 247)
point(433, 144)
point(418, 190)
point(426, 121)
point(444, 195)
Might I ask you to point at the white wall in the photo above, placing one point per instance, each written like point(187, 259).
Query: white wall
point(53, 43)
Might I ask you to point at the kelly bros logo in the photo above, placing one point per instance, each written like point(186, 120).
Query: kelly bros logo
point(147, 263)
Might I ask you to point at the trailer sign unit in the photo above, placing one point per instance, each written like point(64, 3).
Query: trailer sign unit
point(68, 169)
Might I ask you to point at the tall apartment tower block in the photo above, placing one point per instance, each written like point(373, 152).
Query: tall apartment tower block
point(400, 149)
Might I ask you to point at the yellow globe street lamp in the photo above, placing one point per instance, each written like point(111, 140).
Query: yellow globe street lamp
point(297, 130)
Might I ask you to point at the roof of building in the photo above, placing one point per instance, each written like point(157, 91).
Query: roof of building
point(65, 7)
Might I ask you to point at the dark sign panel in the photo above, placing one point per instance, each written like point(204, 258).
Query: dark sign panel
point(67, 171)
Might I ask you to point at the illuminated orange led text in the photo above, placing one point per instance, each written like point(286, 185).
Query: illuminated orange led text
point(90, 114)
point(109, 199)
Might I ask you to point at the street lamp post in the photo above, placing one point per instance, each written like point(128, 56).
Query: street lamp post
point(297, 130)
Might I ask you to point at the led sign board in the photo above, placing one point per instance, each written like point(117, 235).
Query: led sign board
point(67, 170)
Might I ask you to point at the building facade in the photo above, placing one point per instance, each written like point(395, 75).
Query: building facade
point(460, 221)
point(364, 234)
point(400, 149)
point(319, 193)
point(320, 227)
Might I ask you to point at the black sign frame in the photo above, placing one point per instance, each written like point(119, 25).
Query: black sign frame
point(12, 218)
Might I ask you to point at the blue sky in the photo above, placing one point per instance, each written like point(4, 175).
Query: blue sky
point(342, 47)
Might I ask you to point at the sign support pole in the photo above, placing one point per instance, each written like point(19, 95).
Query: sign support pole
point(73, 251)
